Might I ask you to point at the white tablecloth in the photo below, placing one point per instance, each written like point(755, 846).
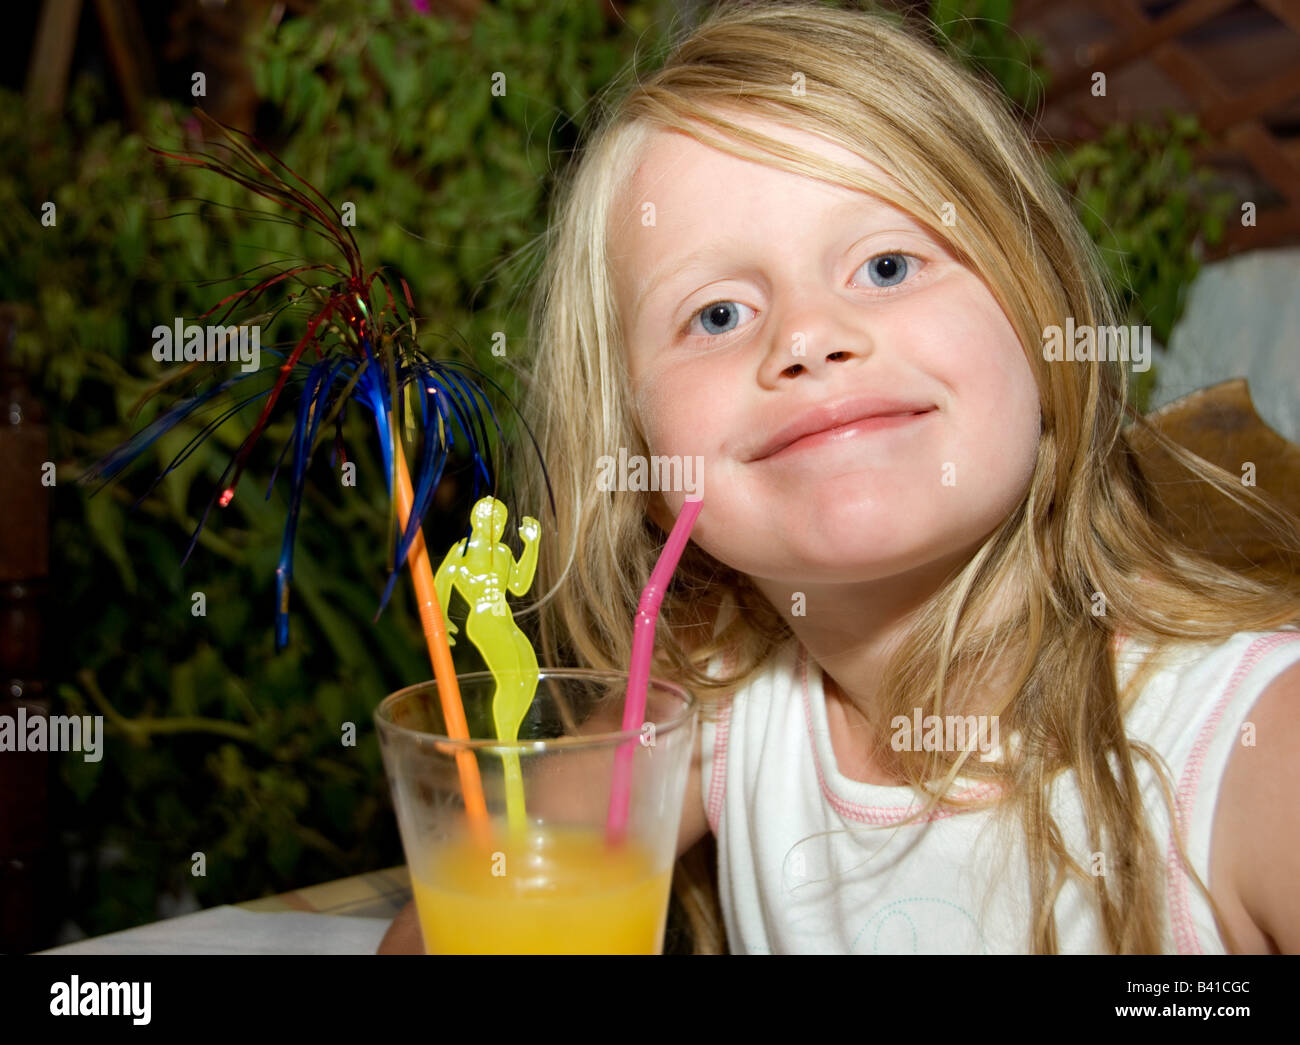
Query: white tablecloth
point(232, 930)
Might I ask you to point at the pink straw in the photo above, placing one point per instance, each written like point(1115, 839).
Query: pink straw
point(643, 641)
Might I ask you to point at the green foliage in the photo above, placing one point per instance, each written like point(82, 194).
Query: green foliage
point(979, 33)
point(1152, 211)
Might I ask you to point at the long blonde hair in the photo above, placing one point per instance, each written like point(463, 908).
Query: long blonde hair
point(1088, 523)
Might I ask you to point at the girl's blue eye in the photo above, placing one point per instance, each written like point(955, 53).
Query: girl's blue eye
point(723, 314)
point(887, 270)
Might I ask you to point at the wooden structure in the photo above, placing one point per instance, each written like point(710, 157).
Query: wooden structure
point(1235, 64)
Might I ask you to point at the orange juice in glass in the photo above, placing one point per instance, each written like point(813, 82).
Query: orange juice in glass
point(552, 885)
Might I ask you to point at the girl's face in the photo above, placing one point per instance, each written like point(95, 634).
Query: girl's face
point(757, 305)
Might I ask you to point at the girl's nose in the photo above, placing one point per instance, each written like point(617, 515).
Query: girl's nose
point(821, 331)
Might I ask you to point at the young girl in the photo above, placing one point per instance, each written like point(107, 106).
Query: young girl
point(964, 691)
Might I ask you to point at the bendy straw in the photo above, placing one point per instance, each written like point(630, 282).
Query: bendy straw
point(643, 641)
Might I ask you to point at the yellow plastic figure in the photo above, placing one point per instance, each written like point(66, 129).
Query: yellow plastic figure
point(483, 569)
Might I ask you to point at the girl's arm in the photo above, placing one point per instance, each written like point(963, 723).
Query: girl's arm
point(403, 936)
point(1255, 849)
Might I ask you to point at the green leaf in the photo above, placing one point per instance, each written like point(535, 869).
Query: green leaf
point(104, 518)
point(274, 77)
point(184, 700)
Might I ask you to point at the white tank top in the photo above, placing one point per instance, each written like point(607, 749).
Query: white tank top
point(810, 862)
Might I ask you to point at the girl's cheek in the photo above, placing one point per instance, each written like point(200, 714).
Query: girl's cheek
point(670, 408)
point(647, 396)
point(986, 357)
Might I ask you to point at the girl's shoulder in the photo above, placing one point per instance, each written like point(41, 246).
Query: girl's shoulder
point(1215, 712)
point(1177, 692)
point(1134, 656)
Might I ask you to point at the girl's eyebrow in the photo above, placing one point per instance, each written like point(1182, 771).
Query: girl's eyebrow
point(841, 210)
point(675, 267)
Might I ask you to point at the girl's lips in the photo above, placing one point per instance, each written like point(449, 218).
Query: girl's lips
point(850, 430)
point(829, 414)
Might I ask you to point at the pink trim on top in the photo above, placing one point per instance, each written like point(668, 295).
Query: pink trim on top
point(718, 781)
point(1185, 935)
point(875, 814)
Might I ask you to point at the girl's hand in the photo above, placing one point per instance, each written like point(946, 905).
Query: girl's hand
point(529, 529)
point(403, 936)
point(451, 630)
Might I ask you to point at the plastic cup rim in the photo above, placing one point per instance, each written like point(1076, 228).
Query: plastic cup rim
point(443, 742)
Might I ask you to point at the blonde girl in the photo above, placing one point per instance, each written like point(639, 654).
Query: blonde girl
point(817, 256)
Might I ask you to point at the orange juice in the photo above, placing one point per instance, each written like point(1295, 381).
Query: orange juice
point(554, 890)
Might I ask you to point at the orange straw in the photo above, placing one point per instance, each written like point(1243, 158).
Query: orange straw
point(444, 670)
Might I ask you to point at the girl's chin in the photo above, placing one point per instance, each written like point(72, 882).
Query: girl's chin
point(845, 512)
point(850, 566)
point(846, 543)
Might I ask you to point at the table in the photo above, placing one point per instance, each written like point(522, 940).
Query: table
point(346, 916)
point(374, 894)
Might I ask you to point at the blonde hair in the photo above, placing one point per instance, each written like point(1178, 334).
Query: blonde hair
point(1089, 521)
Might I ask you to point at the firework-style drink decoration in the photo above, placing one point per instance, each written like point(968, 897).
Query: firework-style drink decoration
point(357, 346)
